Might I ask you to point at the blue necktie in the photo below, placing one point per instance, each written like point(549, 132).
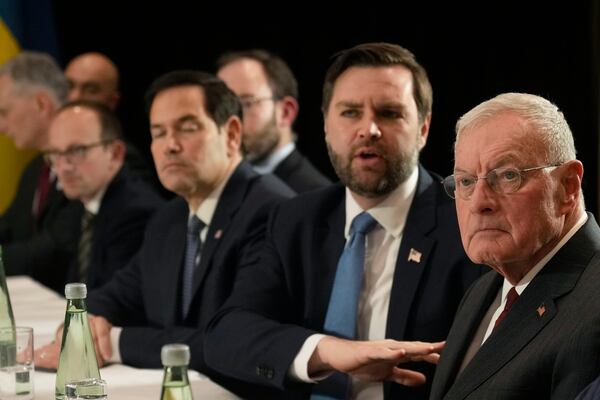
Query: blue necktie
point(342, 312)
point(190, 261)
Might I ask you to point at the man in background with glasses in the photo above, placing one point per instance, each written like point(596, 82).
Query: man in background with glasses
point(37, 231)
point(530, 328)
point(269, 95)
point(86, 152)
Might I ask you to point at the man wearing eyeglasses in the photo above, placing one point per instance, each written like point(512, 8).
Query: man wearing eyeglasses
point(86, 152)
point(269, 95)
point(530, 329)
point(37, 231)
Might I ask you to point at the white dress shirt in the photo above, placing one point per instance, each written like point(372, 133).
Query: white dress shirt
point(381, 253)
point(269, 164)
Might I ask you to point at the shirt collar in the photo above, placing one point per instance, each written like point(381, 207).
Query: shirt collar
point(93, 206)
point(391, 213)
point(269, 164)
point(207, 208)
point(538, 267)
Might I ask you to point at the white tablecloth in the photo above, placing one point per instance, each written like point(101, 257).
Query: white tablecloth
point(41, 308)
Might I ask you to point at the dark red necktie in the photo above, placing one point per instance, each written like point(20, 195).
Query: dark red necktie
point(511, 297)
point(42, 190)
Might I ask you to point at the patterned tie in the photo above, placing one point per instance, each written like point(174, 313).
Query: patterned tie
point(192, 249)
point(342, 312)
point(41, 193)
point(84, 249)
point(511, 297)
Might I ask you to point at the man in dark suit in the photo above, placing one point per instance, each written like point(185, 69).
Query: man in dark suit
point(193, 245)
point(269, 94)
point(86, 152)
point(530, 329)
point(377, 105)
point(38, 230)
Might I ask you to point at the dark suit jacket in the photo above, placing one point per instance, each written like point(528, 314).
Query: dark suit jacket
point(145, 298)
point(547, 347)
point(591, 392)
point(299, 174)
point(118, 228)
point(42, 248)
point(282, 300)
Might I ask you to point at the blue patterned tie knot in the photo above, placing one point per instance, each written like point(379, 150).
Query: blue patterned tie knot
point(362, 224)
point(192, 248)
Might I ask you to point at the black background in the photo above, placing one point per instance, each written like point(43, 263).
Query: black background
point(471, 54)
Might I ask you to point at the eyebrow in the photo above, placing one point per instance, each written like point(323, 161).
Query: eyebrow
point(503, 161)
point(183, 118)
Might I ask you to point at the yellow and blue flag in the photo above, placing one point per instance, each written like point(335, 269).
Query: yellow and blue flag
point(24, 24)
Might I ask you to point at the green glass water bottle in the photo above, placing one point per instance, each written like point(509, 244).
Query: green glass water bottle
point(77, 354)
point(176, 385)
point(7, 320)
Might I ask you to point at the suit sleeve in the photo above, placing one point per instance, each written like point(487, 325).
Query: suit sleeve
point(251, 338)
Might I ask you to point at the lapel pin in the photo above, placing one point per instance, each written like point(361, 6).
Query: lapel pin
point(414, 255)
point(218, 234)
point(541, 309)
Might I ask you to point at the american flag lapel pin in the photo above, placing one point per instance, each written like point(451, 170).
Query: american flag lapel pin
point(541, 310)
point(414, 255)
point(218, 233)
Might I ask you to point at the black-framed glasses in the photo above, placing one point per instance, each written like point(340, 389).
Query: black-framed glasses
point(249, 102)
point(74, 154)
point(501, 180)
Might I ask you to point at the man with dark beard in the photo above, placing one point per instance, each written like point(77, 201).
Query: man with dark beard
point(306, 319)
point(268, 91)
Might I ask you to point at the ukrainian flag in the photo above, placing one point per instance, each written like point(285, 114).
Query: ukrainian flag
point(27, 24)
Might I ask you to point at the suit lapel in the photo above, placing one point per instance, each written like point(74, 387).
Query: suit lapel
point(229, 202)
point(534, 309)
point(171, 263)
point(329, 238)
point(471, 311)
point(413, 256)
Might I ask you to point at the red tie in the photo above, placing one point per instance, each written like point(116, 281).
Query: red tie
point(41, 194)
point(511, 297)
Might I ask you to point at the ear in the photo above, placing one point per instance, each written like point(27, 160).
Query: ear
point(424, 131)
point(233, 130)
point(118, 150)
point(570, 182)
point(45, 104)
point(288, 111)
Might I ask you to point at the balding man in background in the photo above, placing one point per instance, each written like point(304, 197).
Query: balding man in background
point(95, 77)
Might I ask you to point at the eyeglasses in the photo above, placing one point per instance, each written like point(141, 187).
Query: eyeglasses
point(249, 102)
point(74, 154)
point(500, 180)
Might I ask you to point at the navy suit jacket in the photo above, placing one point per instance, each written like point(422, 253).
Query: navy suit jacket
point(282, 300)
point(547, 347)
point(118, 228)
point(145, 296)
point(299, 173)
point(41, 248)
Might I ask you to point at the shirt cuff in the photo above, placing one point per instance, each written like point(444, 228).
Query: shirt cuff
point(115, 335)
point(299, 368)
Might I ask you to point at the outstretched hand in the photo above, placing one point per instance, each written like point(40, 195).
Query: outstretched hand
point(373, 360)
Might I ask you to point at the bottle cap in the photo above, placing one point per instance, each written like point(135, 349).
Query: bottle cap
point(175, 355)
point(75, 291)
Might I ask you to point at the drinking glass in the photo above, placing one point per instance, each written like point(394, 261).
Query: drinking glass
point(16, 363)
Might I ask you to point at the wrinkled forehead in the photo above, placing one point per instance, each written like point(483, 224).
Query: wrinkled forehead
point(504, 139)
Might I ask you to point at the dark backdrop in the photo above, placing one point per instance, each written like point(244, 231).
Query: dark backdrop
point(471, 54)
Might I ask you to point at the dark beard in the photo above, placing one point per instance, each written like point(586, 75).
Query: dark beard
point(398, 167)
point(265, 141)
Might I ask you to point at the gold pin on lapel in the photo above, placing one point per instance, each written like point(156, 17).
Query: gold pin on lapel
point(218, 234)
point(541, 309)
point(414, 255)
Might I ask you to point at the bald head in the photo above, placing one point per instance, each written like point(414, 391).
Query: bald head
point(93, 76)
